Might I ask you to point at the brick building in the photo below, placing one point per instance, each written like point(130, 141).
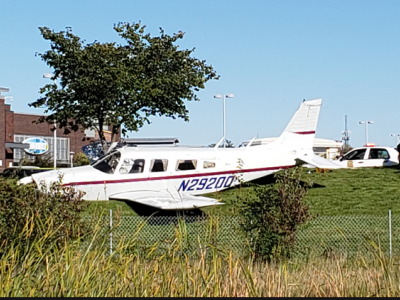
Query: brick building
point(16, 127)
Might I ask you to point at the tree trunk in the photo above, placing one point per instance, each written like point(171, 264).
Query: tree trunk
point(102, 138)
point(114, 132)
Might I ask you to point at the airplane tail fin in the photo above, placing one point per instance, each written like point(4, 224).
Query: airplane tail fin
point(300, 132)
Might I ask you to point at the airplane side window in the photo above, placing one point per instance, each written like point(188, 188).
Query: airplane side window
point(158, 165)
point(108, 163)
point(126, 165)
point(186, 164)
point(208, 164)
point(138, 166)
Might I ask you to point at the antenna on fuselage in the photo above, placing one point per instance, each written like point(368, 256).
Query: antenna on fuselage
point(219, 143)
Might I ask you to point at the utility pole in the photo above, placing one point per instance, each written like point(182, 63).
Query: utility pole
point(346, 134)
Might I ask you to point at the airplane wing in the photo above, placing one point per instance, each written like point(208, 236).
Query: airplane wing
point(317, 161)
point(166, 200)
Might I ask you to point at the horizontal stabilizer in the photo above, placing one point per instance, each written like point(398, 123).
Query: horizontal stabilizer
point(316, 161)
point(165, 200)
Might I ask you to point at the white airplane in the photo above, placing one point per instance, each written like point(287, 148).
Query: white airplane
point(172, 178)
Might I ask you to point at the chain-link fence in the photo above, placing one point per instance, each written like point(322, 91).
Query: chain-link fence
point(348, 235)
point(189, 232)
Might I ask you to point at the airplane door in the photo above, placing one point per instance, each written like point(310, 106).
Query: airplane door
point(133, 175)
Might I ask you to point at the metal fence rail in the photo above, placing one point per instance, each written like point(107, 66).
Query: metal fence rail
point(346, 235)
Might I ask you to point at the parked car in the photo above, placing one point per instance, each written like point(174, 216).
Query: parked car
point(373, 156)
point(21, 171)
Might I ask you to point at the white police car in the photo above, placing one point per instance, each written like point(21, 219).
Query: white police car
point(370, 156)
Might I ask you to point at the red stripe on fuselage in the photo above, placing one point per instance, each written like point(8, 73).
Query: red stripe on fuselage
point(305, 132)
point(175, 176)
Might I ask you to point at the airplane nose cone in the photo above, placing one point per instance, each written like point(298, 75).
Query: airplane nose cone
point(63, 176)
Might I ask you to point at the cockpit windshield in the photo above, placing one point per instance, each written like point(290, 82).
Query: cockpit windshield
point(108, 163)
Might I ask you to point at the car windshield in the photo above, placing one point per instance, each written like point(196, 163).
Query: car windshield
point(108, 163)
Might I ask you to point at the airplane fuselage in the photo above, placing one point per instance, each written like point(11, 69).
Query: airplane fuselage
point(172, 178)
point(193, 171)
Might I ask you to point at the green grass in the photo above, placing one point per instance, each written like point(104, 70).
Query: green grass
point(120, 207)
point(368, 191)
point(354, 201)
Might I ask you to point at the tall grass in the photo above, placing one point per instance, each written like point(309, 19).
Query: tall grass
point(88, 269)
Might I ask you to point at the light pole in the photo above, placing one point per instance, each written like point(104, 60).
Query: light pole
point(395, 138)
point(48, 75)
point(366, 129)
point(223, 97)
point(71, 154)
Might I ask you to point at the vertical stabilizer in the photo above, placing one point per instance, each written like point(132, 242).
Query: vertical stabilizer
point(300, 132)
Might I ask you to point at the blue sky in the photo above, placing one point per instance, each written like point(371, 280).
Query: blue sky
point(270, 54)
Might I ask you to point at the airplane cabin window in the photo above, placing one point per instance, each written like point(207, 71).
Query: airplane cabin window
point(108, 163)
point(158, 165)
point(137, 167)
point(355, 155)
point(187, 164)
point(378, 154)
point(126, 165)
point(208, 164)
point(130, 166)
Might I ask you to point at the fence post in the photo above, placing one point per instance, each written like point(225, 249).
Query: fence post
point(111, 231)
point(251, 234)
point(390, 233)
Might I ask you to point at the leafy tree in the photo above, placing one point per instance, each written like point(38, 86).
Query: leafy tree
point(119, 84)
point(345, 149)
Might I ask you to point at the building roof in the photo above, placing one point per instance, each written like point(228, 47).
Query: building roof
point(3, 90)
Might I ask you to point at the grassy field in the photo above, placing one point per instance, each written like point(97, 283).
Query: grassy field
point(368, 191)
point(142, 264)
point(47, 270)
point(350, 205)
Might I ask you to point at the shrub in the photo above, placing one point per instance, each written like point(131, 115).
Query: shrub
point(272, 214)
point(43, 161)
point(58, 210)
point(81, 159)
